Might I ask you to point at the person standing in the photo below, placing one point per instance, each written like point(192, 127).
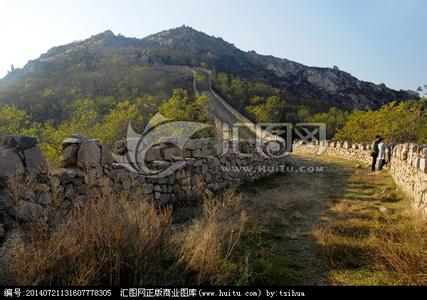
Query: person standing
point(381, 153)
point(375, 152)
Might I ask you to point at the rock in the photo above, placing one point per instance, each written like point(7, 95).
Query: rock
point(45, 199)
point(72, 140)
point(208, 178)
point(164, 199)
point(43, 187)
point(89, 154)
point(120, 148)
point(197, 153)
point(24, 142)
point(28, 211)
point(106, 156)
point(35, 161)
point(69, 156)
point(10, 163)
point(152, 154)
point(173, 154)
point(149, 188)
point(423, 164)
point(69, 191)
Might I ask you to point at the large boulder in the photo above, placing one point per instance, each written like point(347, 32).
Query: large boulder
point(19, 142)
point(27, 211)
point(10, 163)
point(89, 154)
point(106, 155)
point(69, 156)
point(35, 161)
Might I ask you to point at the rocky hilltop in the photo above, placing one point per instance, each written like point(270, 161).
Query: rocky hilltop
point(96, 66)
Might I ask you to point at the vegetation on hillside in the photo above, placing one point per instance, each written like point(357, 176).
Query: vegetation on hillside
point(263, 102)
point(101, 118)
point(396, 122)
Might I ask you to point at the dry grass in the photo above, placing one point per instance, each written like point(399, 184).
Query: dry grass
point(104, 242)
point(210, 241)
point(372, 238)
point(122, 241)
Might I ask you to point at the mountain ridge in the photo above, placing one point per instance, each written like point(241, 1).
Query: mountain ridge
point(189, 47)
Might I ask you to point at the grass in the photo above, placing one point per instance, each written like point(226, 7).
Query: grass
point(126, 241)
point(344, 226)
point(371, 237)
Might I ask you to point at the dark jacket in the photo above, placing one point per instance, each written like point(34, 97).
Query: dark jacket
point(375, 149)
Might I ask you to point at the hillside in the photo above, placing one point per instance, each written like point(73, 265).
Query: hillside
point(109, 65)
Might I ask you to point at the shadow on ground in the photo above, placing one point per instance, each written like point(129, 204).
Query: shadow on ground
point(328, 227)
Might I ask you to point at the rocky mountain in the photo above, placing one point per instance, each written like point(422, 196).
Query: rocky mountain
point(113, 65)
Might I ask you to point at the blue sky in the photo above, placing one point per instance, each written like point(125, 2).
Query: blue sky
point(376, 40)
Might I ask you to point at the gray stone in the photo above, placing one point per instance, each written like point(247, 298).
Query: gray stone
point(89, 154)
point(152, 154)
point(106, 156)
point(164, 199)
point(28, 211)
point(423, 164)
point(24, 142)
point(197, 153)
point(45, 199)
point(10, 163)
point(198, 163)
point(149, 188)
point(34, 160)
point(173, 154)
point(69, 191)
point(69, 156)
point(73, 140)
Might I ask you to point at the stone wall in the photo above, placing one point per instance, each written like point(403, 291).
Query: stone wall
point(25, 190)
point(408, 164)
point(29, 191)
point(204, 166)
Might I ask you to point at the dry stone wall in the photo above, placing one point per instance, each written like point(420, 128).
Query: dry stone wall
point(205, 166)
point(408, 164)
point(29, 191)
point(25, 189)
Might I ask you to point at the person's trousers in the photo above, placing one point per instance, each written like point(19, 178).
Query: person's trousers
point(374, 162)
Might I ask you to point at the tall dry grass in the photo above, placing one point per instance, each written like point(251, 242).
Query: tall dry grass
point(122, 241)
point(367, 252)
point(208, 244)
point(104, 242)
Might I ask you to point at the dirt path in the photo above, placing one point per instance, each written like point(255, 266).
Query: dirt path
point(288, 211)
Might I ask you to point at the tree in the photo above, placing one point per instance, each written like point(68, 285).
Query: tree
point(396, 122)
point(268, 112)
point(334, 120)
point(12, 120)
